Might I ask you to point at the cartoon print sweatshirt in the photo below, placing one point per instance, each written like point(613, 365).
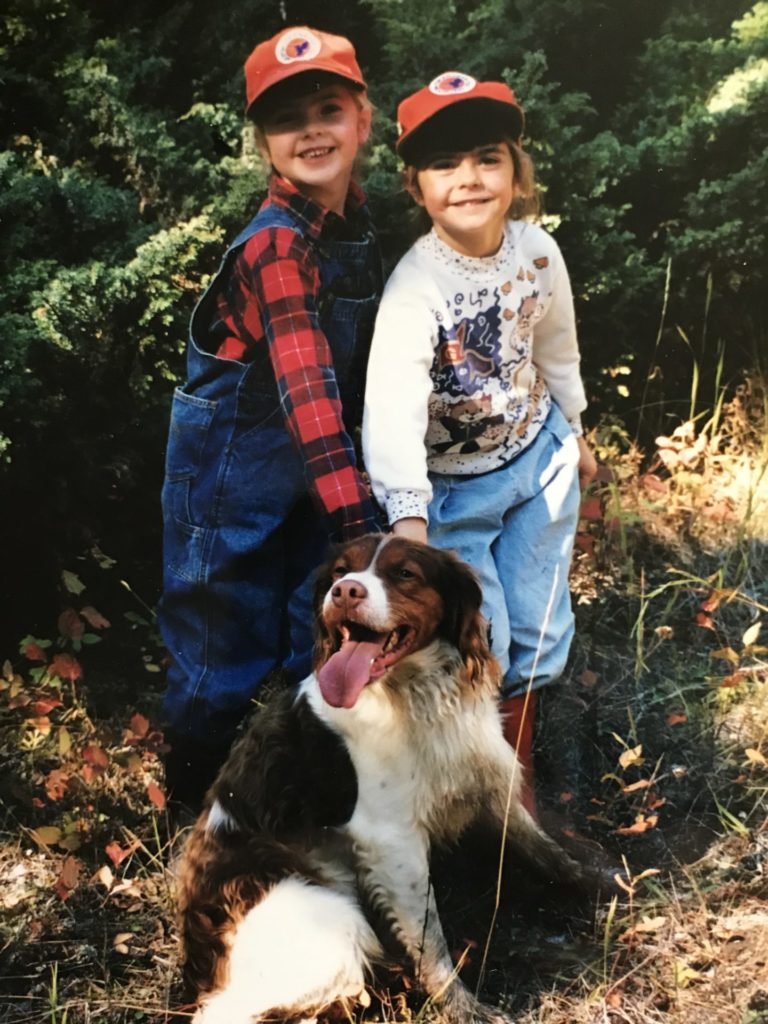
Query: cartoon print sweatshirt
point(467, 355)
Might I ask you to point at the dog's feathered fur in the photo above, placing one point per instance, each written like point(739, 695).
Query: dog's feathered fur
point(331, 800)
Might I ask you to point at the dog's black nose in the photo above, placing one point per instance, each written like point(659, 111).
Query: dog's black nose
point(349, 593)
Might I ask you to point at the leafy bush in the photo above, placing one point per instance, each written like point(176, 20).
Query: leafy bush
point(126, 164)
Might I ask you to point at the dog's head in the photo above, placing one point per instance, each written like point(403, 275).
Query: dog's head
point(380, 599)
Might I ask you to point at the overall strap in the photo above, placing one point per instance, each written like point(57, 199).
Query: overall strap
point(269, 216)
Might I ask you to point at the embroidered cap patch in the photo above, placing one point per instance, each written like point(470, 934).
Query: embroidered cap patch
point(296, 44)
point(452, 82)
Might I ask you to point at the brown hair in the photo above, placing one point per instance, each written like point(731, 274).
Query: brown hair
point(526, 202)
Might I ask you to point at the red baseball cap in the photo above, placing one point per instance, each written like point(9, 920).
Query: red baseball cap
point(294, 51)
point(492, 103)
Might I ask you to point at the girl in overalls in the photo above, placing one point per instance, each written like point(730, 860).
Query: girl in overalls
point(261, 469)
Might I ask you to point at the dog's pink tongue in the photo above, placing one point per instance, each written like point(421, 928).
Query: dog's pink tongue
point(344, 676)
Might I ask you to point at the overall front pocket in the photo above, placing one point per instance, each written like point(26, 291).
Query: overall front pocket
point(191, 420)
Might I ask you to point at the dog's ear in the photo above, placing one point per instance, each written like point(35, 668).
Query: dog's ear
point(468, 628)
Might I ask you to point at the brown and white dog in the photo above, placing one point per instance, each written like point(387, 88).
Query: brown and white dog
point(331, 800)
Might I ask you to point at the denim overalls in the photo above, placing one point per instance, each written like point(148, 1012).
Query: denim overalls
point(241, 537)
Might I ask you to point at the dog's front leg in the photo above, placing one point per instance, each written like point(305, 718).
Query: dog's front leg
point(394, 869)
point(503, 780)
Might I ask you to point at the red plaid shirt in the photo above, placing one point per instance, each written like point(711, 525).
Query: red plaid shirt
point(270, 298)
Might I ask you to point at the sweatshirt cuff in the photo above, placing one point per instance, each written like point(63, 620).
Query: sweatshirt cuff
point(576, 426)
point(405, 504)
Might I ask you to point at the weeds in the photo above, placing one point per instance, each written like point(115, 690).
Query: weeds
point(670, 673)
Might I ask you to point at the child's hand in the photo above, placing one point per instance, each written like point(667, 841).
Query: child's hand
point(587, 463)
point(412, 528)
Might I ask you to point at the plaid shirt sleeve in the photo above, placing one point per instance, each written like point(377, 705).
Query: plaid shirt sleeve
point(284, 279)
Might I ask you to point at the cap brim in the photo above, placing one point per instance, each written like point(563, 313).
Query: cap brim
point(461, 126)
point(298, 82)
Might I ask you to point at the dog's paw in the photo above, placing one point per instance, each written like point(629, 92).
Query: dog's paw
point(459, 1006)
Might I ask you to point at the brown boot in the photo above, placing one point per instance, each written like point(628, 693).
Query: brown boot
point(518, 715)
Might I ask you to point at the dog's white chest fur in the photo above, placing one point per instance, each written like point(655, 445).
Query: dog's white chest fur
point(419, 750)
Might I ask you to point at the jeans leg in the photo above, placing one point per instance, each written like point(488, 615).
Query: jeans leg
point(465, 516)
point(533, 555)
point(223, 635)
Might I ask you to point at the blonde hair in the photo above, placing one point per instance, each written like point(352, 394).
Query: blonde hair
point(526, 201)
point(362, 102)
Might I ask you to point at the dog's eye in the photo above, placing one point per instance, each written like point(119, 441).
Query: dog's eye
point(404, 574)
point(339, 571)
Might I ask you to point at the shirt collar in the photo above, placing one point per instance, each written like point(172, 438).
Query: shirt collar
point(316, 218)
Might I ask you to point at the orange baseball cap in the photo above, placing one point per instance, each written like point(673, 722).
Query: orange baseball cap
point(294, 51)
point(419, 123)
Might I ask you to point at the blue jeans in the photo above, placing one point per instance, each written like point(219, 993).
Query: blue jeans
point(515, 526)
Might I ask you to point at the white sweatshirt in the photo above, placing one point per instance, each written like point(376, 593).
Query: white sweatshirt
point(466, 356)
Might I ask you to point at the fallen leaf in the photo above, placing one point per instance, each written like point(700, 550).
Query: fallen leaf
point(65, 667)
point(104, 877)
point(67, 881)
point(635, 786)
point(94, 618)
point(755, 756)
point(72, 582)
point(117, 854)
point(727, 654)
point(676, 718)
point(45, 705)
point(669, 457)
point(633, 756)
point(65, 741)
point(70, 624)
point(735, 679)
point(704, 620)
point(684, 975)
point(47, 835)
point(156, 795)
point(57, 783)
point(585, 543)
point(95, 756)
point(751, 634)
point(646, 926)
point(139, 725)
point(640, 824)
point(591, 509)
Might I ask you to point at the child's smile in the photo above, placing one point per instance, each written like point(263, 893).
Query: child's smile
point(312, 141)
point(467, 196)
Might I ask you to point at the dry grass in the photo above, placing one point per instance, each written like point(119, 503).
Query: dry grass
point(668, 690)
